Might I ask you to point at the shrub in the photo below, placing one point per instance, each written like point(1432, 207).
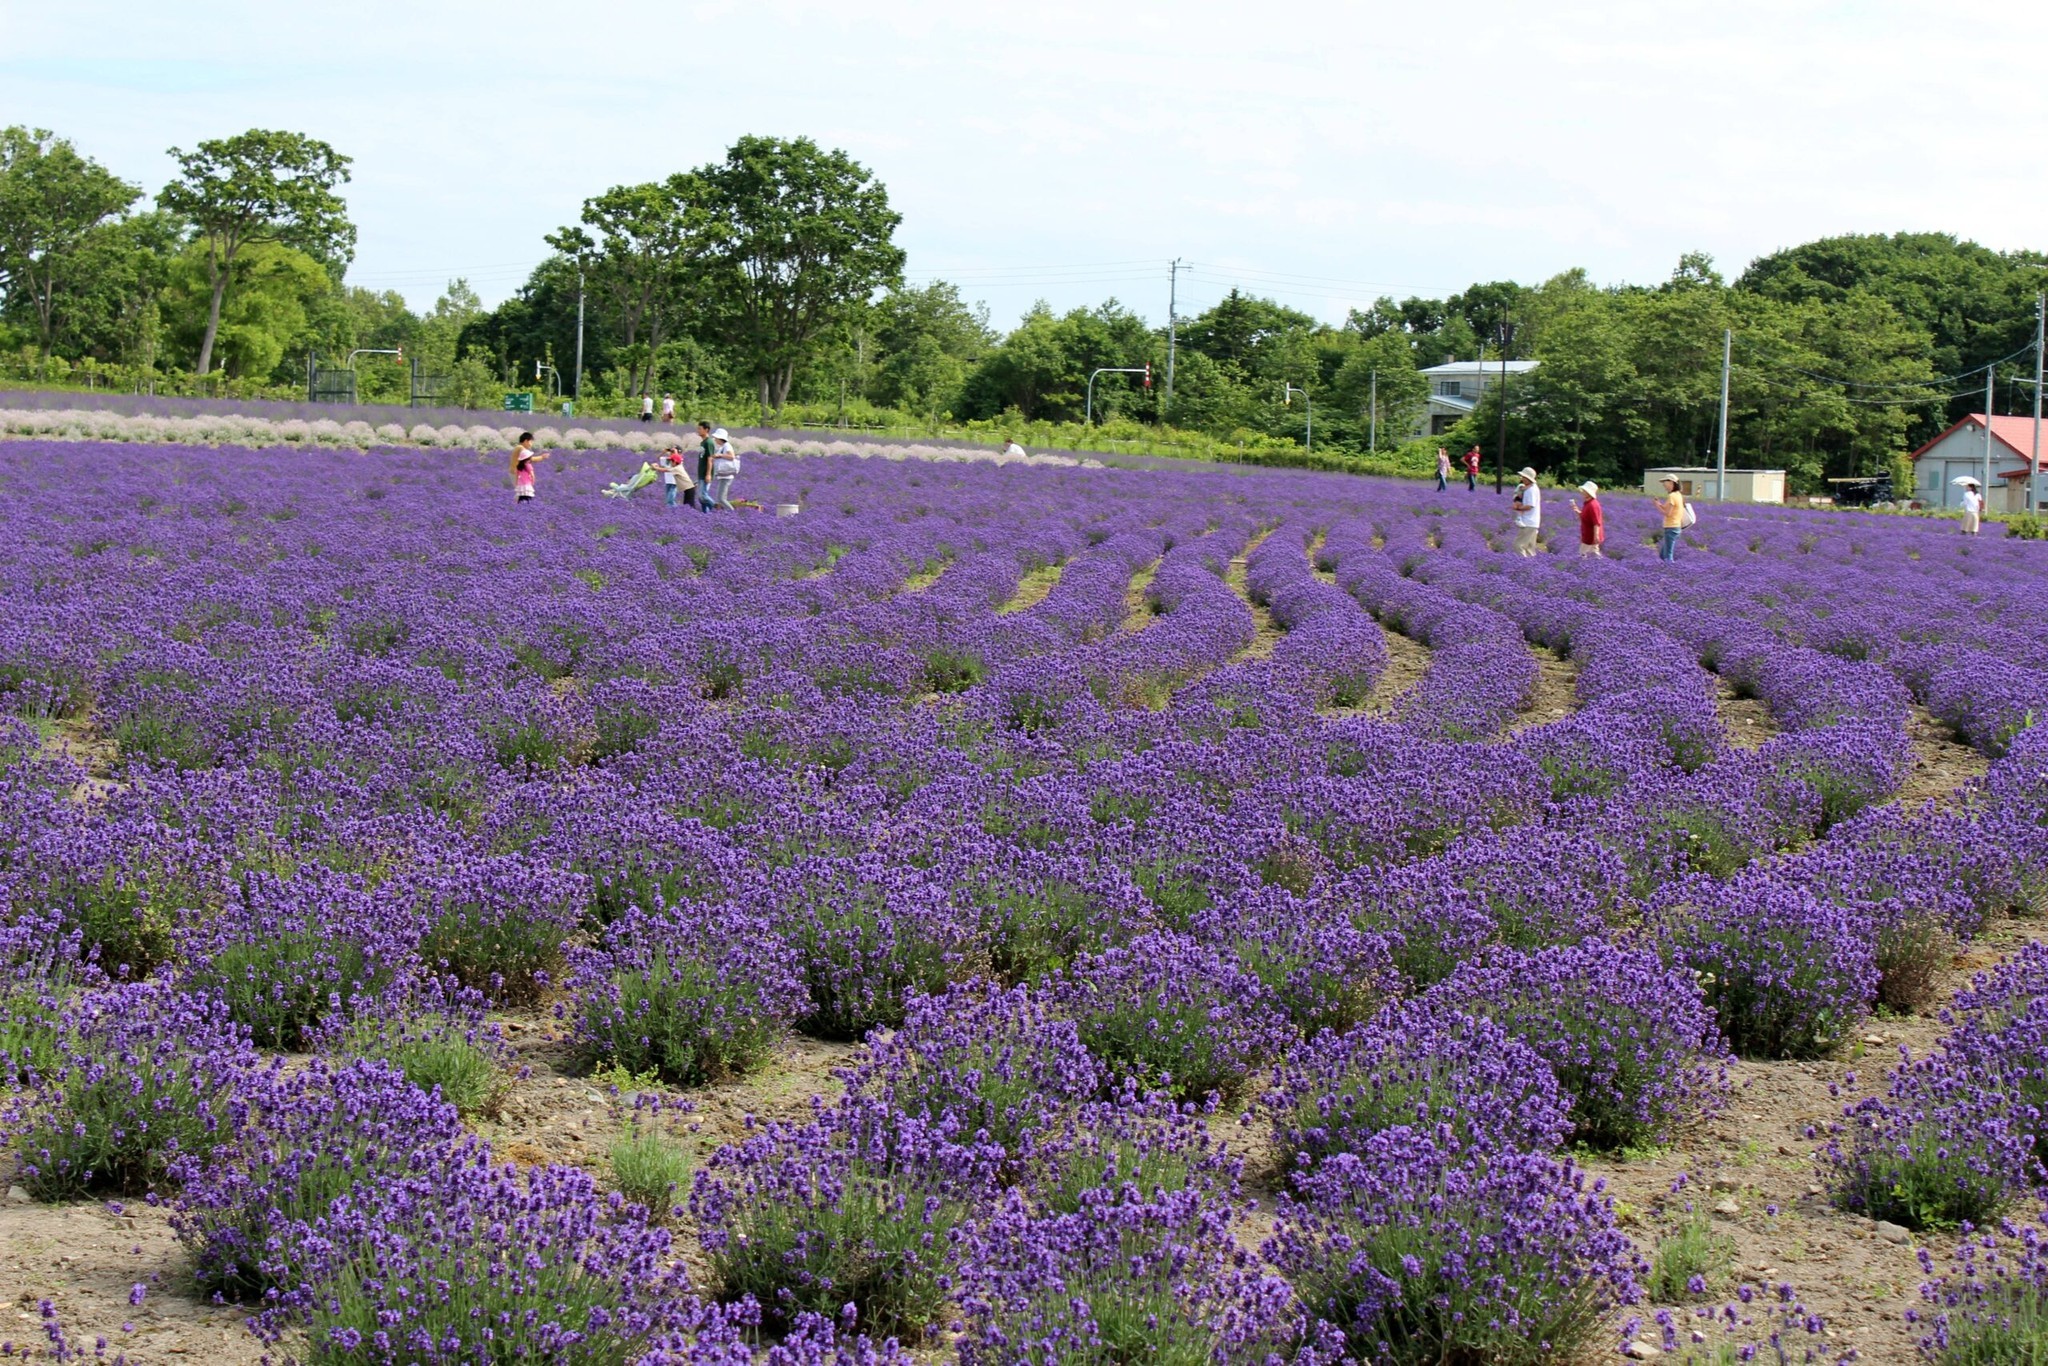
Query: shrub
point(1039, 911)
point(1421, 1066)
point(817, 1218)
point(650, 1169)
point(693, 994)
point(868, 935)
point(437, 1038)
point(1419, 1259)
point(1122, 1278)
point(1787, 974)
point(1940, 1152)
point(404, 1263)
point(1148, 1144)
point(143, 1074)
point(997, 1066)
point(1173, 1013)
point(497, 924)
point(1689, 1260)
point(1323, 972)
point(1631, 1042)
point(1991, 1309)
point(286, 952)
point(247, 1207)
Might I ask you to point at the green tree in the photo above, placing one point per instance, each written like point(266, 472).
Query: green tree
point(107, 290)
point(258, 187)
point(51, 201)
point(803, 238)
point(643, 260)
point(277, 294)
point(1378, 369)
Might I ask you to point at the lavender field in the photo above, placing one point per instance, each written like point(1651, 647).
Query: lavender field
point(1006, 915)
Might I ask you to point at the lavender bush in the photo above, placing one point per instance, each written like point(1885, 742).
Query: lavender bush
point(1632, 1044)
point(1459, 1078)
point(693, 994)
point(1417, 1257)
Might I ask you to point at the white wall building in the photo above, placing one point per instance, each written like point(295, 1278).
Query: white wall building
point(1455, 387)
point(1960, 451)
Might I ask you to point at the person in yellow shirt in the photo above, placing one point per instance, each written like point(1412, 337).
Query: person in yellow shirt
point(1672, 505)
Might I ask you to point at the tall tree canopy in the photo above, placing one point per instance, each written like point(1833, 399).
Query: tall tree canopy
point(803, 237)
point(51, 201)
point(260, 186)
point(644, 260)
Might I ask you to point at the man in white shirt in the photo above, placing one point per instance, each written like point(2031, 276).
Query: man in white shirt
point(668, 407)
point(1011, 450)
point(1528, 511)
point(647, 407)
point(1973, 507)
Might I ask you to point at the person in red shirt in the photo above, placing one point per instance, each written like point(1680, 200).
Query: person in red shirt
point(1592, 521)
point(1472, 470)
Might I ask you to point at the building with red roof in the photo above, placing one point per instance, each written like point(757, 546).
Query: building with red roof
point(1959, 451)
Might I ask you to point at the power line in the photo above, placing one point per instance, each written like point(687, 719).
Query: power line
point(1916, 401)
point(1933, 382)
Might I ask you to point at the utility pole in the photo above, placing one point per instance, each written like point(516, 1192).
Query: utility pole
point(2034, 469)
point(1721, 459)
point(1990, 374)
point(1173, 270)
point(576, 385)
point(1374, 440)
point(1287, 393)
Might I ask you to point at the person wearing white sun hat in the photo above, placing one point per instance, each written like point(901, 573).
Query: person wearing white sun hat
point(725, 466)
point(1592, 521)
point(1973, 506)
point(1528, 508)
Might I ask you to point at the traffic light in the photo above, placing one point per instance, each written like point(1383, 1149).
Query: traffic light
point(1148, 374)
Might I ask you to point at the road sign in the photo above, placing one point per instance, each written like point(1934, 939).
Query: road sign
point(519, 403)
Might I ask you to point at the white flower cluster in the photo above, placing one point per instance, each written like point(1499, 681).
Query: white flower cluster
point(77, 424)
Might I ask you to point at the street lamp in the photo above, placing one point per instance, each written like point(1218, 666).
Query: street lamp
point(1088, 412)
point(350, 363)
point(1287, 393)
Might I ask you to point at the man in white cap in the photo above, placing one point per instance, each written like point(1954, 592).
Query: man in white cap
point(1528, 507)
point(1973, 507)
point(1592, 521)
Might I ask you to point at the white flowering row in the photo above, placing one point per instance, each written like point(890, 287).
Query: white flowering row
point(74, 424)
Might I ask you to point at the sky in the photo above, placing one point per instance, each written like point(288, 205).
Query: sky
point(1322, 154)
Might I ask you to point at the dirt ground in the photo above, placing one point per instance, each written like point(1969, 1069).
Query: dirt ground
point(1555, 695)
point(1267, 632)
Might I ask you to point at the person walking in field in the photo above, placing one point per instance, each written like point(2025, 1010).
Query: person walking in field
point(725, 467)
point(668, 407)
point(523, 457)
point(1592, 521)
point(647, 407)
point(1528, 508)
point(1472, 470)
point(707, 448)
point(1672, 505)
point(1443, 469)
point(1973, 507)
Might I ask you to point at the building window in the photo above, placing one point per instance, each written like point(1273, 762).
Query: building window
point(1450, 388)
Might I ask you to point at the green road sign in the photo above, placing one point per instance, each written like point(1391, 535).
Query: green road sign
point(519, 403)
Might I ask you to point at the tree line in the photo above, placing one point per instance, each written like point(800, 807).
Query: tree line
point(769, 283)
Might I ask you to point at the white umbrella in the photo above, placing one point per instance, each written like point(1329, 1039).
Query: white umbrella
point(1962, 479)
